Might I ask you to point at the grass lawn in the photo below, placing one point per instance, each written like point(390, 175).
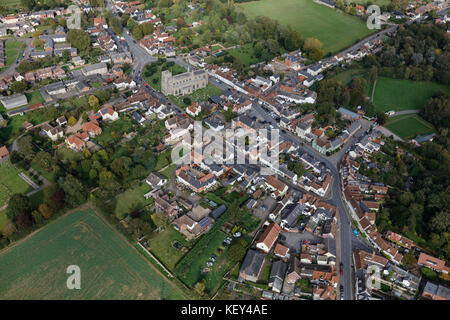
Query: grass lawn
point(163, 159)
point(34, 97)
point(396, 94)
point(345, 77)
point(154, 80)
point(110, 267)
point(245, 53)
point(189, 270)
point(198, 95)
point(66, 154)
point(3, 219)
point(11, 3)
point(167, 172)
point(132, 199)
point(335, 30)
point(11, 182)
point(266, 273)
point(12, 130)
point(408, 126)
point(12, 49)
point(161, 246)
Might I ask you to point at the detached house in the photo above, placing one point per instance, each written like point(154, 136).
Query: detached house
point(92, 128)
point(75, 142)
point(156, 180)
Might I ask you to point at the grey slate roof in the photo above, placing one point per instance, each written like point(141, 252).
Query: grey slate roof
point(252, 263)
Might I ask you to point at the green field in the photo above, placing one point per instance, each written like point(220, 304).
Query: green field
point(110, 267)
point(161, 247)
point(11, 3)
point(335, 30)
point(408, 126)
point(395, 94)
point(246, 54)
point(132, 199)
point(11, 182)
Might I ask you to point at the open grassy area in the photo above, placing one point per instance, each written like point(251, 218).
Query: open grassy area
point(335, 30)
point(110, 267)
point(345, 77)
point(168, 172)
point(132, 199)
point(189, 269)
point(34, 97)
point(11, 3)
point(396, 94)
point(3, 219)
point(10, 182)
point(198, 95)
point(12, 49)
point(161, 246)
point(245, 53)
point(408, 126)
point(163, 160)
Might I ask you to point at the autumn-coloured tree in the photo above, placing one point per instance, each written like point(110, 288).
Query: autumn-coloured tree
point(94, 102)
point(72, 121)
point(45, 210)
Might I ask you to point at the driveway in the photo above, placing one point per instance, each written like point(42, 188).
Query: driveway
point(292, 240)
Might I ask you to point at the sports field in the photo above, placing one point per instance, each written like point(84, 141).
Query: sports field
point(409, 126)
point(111, 268)
point(397, 94)
point(336, 30)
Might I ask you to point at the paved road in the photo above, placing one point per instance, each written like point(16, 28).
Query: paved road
point(389, 133)
point(411, 111)
point(345, 237)
point(345, 222)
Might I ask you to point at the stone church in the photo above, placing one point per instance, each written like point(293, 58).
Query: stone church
point(184, 83)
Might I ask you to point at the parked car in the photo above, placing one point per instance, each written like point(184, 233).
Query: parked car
point(209, 264)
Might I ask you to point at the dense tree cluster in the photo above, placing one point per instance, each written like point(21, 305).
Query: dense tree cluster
point(419, 52)
point(229, 25)
point(437, 111)
point(418, 203)
point(79, 39)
